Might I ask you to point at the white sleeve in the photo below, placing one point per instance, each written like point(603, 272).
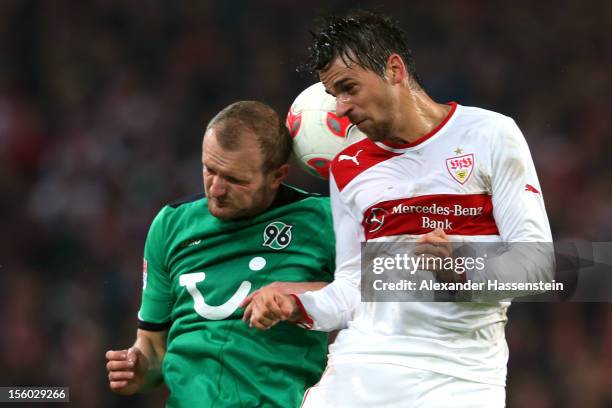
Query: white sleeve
point(518, 204)
point(519, 212)
point(331, 307)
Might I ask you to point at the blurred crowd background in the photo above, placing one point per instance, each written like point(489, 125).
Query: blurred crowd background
point(102, 108)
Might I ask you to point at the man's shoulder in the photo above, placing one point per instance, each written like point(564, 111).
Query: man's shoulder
point(289, 195)
point(186, 200)
point(187, 206)
point(357, 158)
point(481, 116)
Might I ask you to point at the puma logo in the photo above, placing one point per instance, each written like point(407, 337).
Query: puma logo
point(351, 158)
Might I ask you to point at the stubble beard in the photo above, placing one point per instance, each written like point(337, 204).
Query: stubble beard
point(259, 205)
point(379, 132)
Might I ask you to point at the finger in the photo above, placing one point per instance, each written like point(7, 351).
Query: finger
point(439, 238)
point(441, 249)
point(116, 354)
point(430, 238)
point(272, 310)
point(117, 385)
point(266, 305)
point(132, 354)
point(247, 300)
point(261, 319)
point(427, 237)
point(273, 316)
point(247, 313)
point(261, 322)
point(421, 248)
point(437, 235)
point(116, 365)
point(286, 305)
point(286, 310)
point(427, 248)
point(120, 375)
point(444, 247)
point(439, 232)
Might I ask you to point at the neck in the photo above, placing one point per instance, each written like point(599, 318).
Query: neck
point(418, 116)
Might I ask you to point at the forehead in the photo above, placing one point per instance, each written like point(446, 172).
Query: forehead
point(245, 156)
point(340, 71)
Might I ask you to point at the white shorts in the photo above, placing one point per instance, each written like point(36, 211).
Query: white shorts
point(368, 385)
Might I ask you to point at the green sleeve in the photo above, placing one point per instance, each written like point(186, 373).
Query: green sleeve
point(157, 301)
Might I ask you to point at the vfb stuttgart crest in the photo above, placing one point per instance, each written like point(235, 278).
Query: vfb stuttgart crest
point(277, 235)
point(460, 167)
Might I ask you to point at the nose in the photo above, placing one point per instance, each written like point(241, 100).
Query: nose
point(218, 187)
point(343, 107)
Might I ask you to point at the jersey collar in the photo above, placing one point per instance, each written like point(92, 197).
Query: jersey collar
point(399, 147)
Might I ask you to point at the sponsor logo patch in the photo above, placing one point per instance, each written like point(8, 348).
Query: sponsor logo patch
point(376, 219)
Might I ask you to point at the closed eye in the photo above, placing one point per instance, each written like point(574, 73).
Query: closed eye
point(349, 89)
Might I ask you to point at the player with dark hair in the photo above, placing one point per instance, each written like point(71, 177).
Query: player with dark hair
point(363, 38)
point(204, 255)
point(465, 173)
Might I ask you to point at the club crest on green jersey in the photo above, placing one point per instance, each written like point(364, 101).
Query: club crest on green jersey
point(277, 235)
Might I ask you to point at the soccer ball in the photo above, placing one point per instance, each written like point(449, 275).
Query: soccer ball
point(318, 133)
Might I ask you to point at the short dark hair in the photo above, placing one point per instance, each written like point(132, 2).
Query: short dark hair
point(263, 121)
point(363, 37)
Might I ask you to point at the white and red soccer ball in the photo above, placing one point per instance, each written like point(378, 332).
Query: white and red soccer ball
point(318, 133)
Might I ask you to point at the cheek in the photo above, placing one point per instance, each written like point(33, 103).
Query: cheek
point(380, 107)
point(207, 181)
point(240, 194)
point(254, 193)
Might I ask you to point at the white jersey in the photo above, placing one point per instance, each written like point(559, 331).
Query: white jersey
point(473, 176)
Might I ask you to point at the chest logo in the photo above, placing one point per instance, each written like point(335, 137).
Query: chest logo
point(376, 219)
point(277, 235)
point(460, 167)
point(351, 158)
point(189, 281)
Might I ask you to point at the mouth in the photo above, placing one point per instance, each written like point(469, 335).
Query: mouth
point(218, 203)
point(360, 124)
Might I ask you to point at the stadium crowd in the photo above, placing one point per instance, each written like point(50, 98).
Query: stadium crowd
point(102, 102)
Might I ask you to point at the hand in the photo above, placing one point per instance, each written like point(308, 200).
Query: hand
point(436, 244)
point(126, 370)
point(268, 306)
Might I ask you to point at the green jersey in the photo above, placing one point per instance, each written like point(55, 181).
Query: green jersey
point(197, 270)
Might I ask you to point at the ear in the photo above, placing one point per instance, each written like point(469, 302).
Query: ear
point(395, 71)
point(279, 175)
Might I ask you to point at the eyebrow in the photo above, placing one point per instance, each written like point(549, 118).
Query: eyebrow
point(337, 84)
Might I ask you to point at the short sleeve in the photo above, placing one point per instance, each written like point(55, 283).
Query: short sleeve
point(156, 305)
